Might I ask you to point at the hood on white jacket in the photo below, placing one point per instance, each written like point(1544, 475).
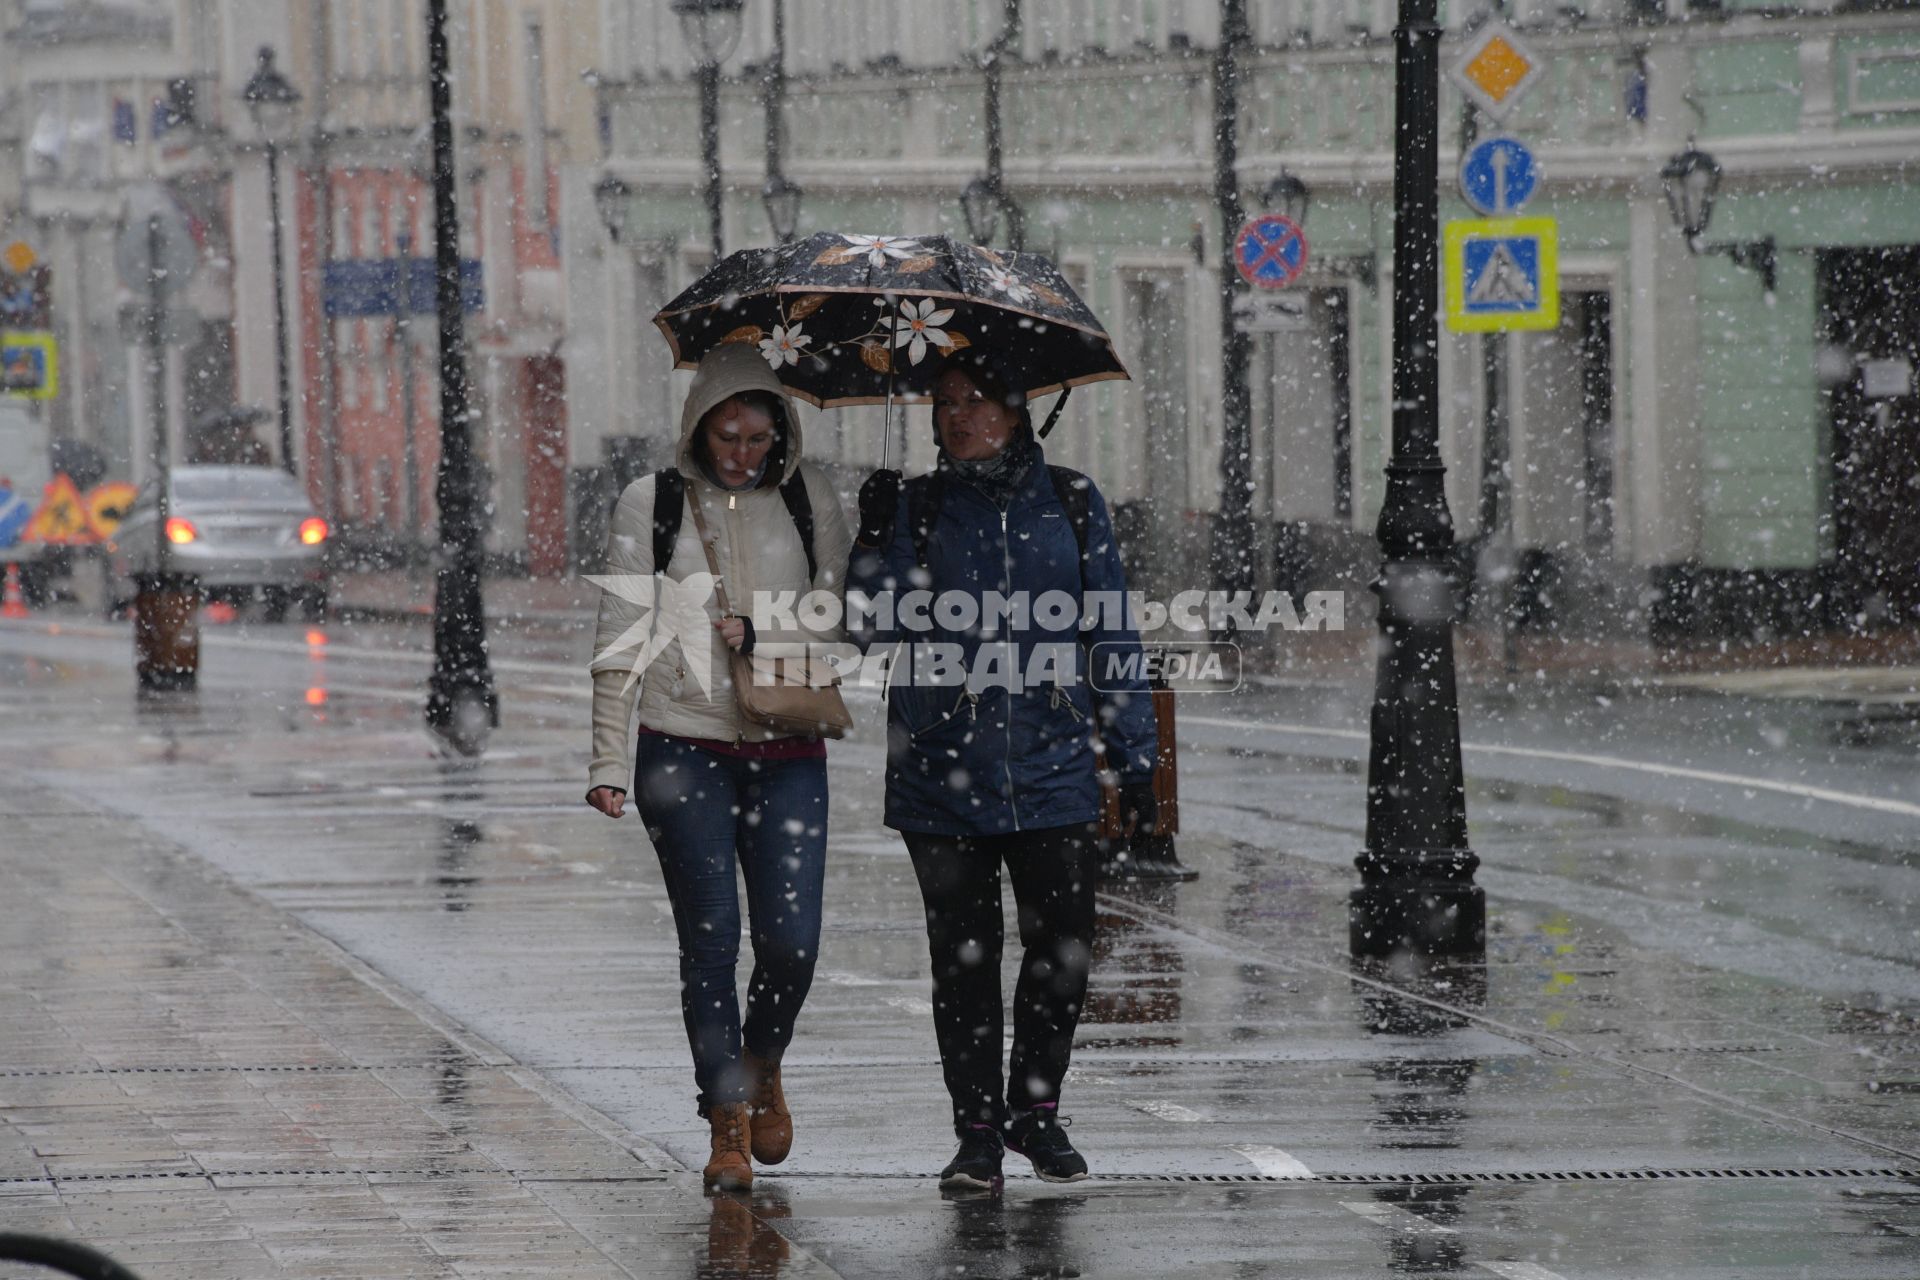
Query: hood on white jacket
point(727, 371)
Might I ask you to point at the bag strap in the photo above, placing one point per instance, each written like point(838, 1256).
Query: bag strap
point(800, 507)
point(1075, 493)
point(669, 503)
point(706, 545)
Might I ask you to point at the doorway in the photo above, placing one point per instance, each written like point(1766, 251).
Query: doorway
point(1561, 472)
point(1870, 321)
point(1303, 451)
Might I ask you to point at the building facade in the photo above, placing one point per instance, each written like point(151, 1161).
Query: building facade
point(1685, 453)
point(113, 100)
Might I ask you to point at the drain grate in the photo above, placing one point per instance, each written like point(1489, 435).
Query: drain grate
point(198, 1175)
point(36, 1073)
point(1450, 1178)
point(1454, 1177)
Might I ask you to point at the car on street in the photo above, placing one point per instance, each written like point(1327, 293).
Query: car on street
point(239, 529)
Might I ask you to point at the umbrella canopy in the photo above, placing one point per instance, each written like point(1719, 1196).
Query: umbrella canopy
point(853, 319)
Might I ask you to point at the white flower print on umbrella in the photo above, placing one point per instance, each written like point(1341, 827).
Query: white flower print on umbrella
point(917, 325)
point(880, 248)
point(784, 346)
point(1006, 282)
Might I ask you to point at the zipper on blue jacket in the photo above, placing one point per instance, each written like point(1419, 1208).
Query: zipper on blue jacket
point(1006, 574)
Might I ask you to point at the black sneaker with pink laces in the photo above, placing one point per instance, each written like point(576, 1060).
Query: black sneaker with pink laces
point(1040, 1136)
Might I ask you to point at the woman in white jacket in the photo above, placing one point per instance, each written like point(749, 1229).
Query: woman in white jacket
point(714, 789)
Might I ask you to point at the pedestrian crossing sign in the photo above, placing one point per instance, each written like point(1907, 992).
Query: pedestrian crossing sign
point(1501, 274)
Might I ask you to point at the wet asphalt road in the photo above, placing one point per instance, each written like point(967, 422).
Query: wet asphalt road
point(1693, 1050)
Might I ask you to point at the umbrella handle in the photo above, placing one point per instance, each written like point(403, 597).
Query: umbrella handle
point(1054, 417)
point(886, 427)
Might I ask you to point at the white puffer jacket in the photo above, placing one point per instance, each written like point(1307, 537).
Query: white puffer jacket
point(756, 547)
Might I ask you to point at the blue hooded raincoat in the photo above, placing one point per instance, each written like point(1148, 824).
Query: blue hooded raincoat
point(1013, 748)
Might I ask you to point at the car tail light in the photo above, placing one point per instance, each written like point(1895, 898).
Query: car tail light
point(313, 531)
point(181, 531)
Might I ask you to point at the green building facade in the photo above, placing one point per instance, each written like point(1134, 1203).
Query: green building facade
point(1685, 453)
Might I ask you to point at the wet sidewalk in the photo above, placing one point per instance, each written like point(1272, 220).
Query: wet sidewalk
point(286, 992)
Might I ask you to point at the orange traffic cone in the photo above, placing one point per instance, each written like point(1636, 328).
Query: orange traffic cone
point(13, 604)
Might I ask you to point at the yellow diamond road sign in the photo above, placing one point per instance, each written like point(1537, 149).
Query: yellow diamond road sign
point(1495, 69)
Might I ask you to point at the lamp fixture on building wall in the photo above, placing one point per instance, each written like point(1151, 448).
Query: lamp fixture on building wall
point(611, 196)
point(712, 29)
point(782, 199)
point(272, 101)
point(1287, 196)
point(1691, 180)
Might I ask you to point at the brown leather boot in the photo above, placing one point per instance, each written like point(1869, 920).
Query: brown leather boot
point(772, 1123)
point(729, 1169)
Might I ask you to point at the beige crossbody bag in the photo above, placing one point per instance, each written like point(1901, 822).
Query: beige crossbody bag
point(790, 695)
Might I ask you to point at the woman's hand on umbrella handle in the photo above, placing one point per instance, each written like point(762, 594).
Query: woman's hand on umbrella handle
point(611, 801)
point(879, 500)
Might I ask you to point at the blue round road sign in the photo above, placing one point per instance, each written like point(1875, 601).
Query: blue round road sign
point(1498, 176)
point(1270, 252)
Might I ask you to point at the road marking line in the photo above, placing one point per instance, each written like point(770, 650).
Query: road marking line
point(1879, 804)
point(1168, 1111)
point(1272, 1161)
point(1394, 1218)
point(912, 1004)
point(1521, 1271)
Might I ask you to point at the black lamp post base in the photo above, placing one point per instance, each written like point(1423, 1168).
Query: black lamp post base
point(462, 715)
point(1424, 903)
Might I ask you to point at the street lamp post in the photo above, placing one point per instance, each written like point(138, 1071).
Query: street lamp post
point(1416, 889)
point(712, 29)
point(461, 705)
point(781, 197)
point(1233, 533)
point(986, 197)
point(271, 101)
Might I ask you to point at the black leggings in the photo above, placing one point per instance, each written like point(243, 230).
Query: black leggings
point(1053, 873)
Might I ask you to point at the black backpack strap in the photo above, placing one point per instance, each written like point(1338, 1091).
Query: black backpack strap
point(1075, 493)
point(924, 496)
point(800, 507)
point(669, 507)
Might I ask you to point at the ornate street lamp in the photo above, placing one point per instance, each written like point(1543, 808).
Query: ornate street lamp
point(611, 197)
point(273, 102)
point(461, 703)
point(1416, 892)
point(986, 197)
point(1691, 180)
point(712, 29)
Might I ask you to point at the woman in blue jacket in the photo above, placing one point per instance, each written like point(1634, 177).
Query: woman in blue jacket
point(997, 741)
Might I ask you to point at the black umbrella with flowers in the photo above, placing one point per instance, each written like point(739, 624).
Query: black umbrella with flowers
point(854, 319)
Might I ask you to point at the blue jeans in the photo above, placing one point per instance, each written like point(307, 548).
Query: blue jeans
point(705, 812)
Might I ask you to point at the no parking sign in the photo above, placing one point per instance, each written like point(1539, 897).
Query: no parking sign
point(1270, 251)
